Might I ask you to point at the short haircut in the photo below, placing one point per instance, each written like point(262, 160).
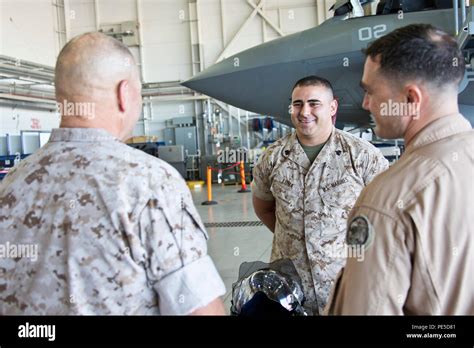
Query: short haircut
point(419, 51)
point(98, 42)
point(314, 81)
point(113, 43)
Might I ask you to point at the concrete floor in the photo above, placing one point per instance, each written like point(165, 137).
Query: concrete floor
point(231, 246)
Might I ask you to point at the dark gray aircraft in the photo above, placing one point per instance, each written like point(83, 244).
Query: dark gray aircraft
point(260, 79)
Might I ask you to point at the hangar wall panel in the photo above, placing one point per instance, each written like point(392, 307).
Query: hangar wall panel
point(170, 31)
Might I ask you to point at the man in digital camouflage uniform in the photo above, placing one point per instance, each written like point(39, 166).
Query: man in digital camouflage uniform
point(305, 185)
point(115, 230)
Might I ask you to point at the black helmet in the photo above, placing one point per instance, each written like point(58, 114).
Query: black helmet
point(267, 290)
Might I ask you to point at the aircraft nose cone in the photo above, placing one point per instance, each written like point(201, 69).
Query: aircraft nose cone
point(261, 78)
point(202, 83)
point(191, 83)
point(212, 80)
point(248, 80)
point(195, 81)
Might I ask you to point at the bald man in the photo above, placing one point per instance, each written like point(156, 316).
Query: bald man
point(90, 225)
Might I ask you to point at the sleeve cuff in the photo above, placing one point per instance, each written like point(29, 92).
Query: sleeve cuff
point(189, 288)
point(261, 194)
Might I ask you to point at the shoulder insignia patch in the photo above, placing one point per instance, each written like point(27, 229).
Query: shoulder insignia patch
point(360, 232)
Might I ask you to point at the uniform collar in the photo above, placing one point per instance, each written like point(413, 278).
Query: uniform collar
point(439, 129)
point(81, 135)
point(293, 151)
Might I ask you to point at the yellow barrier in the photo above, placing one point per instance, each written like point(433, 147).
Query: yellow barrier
point(209, 188)
point(242, 178)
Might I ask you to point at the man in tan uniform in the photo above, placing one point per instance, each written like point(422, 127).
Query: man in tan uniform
point(414, 221)
point(305, 185)
point(90, 225)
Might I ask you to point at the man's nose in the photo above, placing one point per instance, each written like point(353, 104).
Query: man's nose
point(365, 102)
point(306, 109)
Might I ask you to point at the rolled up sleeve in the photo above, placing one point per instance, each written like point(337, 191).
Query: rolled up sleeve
point(374, 163)
point(189, 288)
point(177, 265)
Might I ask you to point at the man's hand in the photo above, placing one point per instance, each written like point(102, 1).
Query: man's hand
point(265, 211)
point(216, 307)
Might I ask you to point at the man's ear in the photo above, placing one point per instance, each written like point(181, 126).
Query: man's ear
point(334, 105)
point(413, 94)
point(122, 95)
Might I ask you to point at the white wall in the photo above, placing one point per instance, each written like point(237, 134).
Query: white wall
point(27, 30)
point(15, 119)
point(166, 40)
point(168, 30)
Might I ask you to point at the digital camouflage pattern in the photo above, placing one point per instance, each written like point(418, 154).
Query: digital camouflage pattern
point(313, 203)
point(116, 230)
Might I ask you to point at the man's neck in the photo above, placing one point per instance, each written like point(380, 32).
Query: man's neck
point(321, 139)
point(78, 122)
point(427, 117)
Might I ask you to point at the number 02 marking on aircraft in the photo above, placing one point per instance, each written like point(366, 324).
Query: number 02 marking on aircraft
point(368, 33)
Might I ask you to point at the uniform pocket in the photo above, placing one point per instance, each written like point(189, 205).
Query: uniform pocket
point(283, 192)
point(338, 198)
point(341, 193)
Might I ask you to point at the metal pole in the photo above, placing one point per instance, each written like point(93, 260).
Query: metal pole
point(208, 121)
point(221, 122)
point(231, 133)
point(247, 129)
point(97, 15)
point(145, 114)
point(140, 39)
point(264, 29)
point(22, 142)
point(463, 12)
point(396, 145)
point(199, 36)
point(240, 125)
point(67, 19)
point(195, 104)
point(204, 131)
point(223, 27)
point(456, 16)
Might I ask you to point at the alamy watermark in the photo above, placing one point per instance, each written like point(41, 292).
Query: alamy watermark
point(400, 109)
point(79, 109)
point(233, 155)
point(344, 251)
point(28, 330)
point(13, 251)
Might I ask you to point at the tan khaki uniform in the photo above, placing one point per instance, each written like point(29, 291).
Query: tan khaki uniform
point(313, 202)
point(115, 230)
point(421, 258)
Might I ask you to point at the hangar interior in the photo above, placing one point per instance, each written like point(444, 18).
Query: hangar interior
point(172, 41)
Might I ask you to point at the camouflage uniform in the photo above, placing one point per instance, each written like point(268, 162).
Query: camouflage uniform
point(116, 230)
point(313, 202)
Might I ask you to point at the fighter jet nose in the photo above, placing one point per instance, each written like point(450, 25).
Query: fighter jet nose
point(188, 83)
point(260, 79)
point(206, 81)
point(202, 83)
point(193, 82)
